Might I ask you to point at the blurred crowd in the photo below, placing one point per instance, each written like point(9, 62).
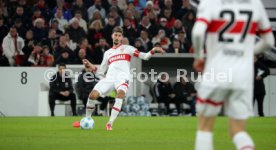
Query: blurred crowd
point(50, 32)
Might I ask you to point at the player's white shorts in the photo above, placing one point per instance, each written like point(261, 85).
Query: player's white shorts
point(105, 86)
point(237, 102)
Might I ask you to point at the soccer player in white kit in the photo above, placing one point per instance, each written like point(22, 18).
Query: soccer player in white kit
point(231, 26)
point(114, 73)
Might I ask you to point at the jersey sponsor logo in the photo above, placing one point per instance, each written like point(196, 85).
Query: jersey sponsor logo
point(119, 57)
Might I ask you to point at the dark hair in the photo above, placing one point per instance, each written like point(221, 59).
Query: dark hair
point(19, 6)
point(62, 65)
point(81, 40)
point(118, 29)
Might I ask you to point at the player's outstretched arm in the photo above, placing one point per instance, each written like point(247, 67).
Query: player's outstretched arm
point(158, 50)
point(88, 64)
point(147, 56)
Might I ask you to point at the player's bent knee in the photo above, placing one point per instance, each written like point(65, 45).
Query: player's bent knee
point(120, 94)
point(94, 95)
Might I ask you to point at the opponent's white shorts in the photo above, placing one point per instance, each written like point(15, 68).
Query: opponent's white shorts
point(105, 86)
point(237, 103)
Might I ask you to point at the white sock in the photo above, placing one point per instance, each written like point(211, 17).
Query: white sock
point(90, 107)
point(243, 141)
point(115, 110)
point(204, 140)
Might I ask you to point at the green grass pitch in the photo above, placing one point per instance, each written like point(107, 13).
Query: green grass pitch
point(129, 133)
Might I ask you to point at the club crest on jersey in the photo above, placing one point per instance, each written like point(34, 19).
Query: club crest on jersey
point(121, 50)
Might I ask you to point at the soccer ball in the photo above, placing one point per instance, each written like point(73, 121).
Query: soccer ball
point(87, 123)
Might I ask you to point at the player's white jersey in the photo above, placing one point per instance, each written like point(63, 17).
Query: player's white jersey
point(116, 61)
point(232, 26)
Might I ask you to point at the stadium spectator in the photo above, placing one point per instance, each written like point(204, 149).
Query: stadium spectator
point(146, 42)
point(82, 22)
point(119, 4)
point(99, 50)
point(162, 39)
point(3, 29)
point(97, 16)
point(70, 44)
point(81, 55)
point(75, 31)
point(260, 72)
point(61, 89)
point(130, 17)
point(51, 40)
point(66, 10)
point(153, 18)
point(108, 29)
point(37, 14)
point(145, 24)
point(113, 12)
point(80, 6)
point(12, 47)
point(184, 93)
point(163, 26)
point(63, 45)
point(29, 43)
point(21, 30)
point(45, 11)
point(11, 7)
point(167, 13)
point(164, 92)
point(131, 8)
point(62, 23)
point(34, 58)
point(27, 8)
point(149, 8)
point(97, 6)
point(129, 31)
point(4, 11)
point(185, 8)
point(95, 32)
point(188, 22)
point(175, 47)
point(178, 26)
point(19, 14)
point(166, 4)
point(47, 59)
point(138, 45)
point(54, 25)
point(185, 45)
point(65, 57)
point(83, 44)
point(39, 30)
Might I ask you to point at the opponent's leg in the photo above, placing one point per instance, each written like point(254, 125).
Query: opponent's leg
point(240, 137)
point(204, 135)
